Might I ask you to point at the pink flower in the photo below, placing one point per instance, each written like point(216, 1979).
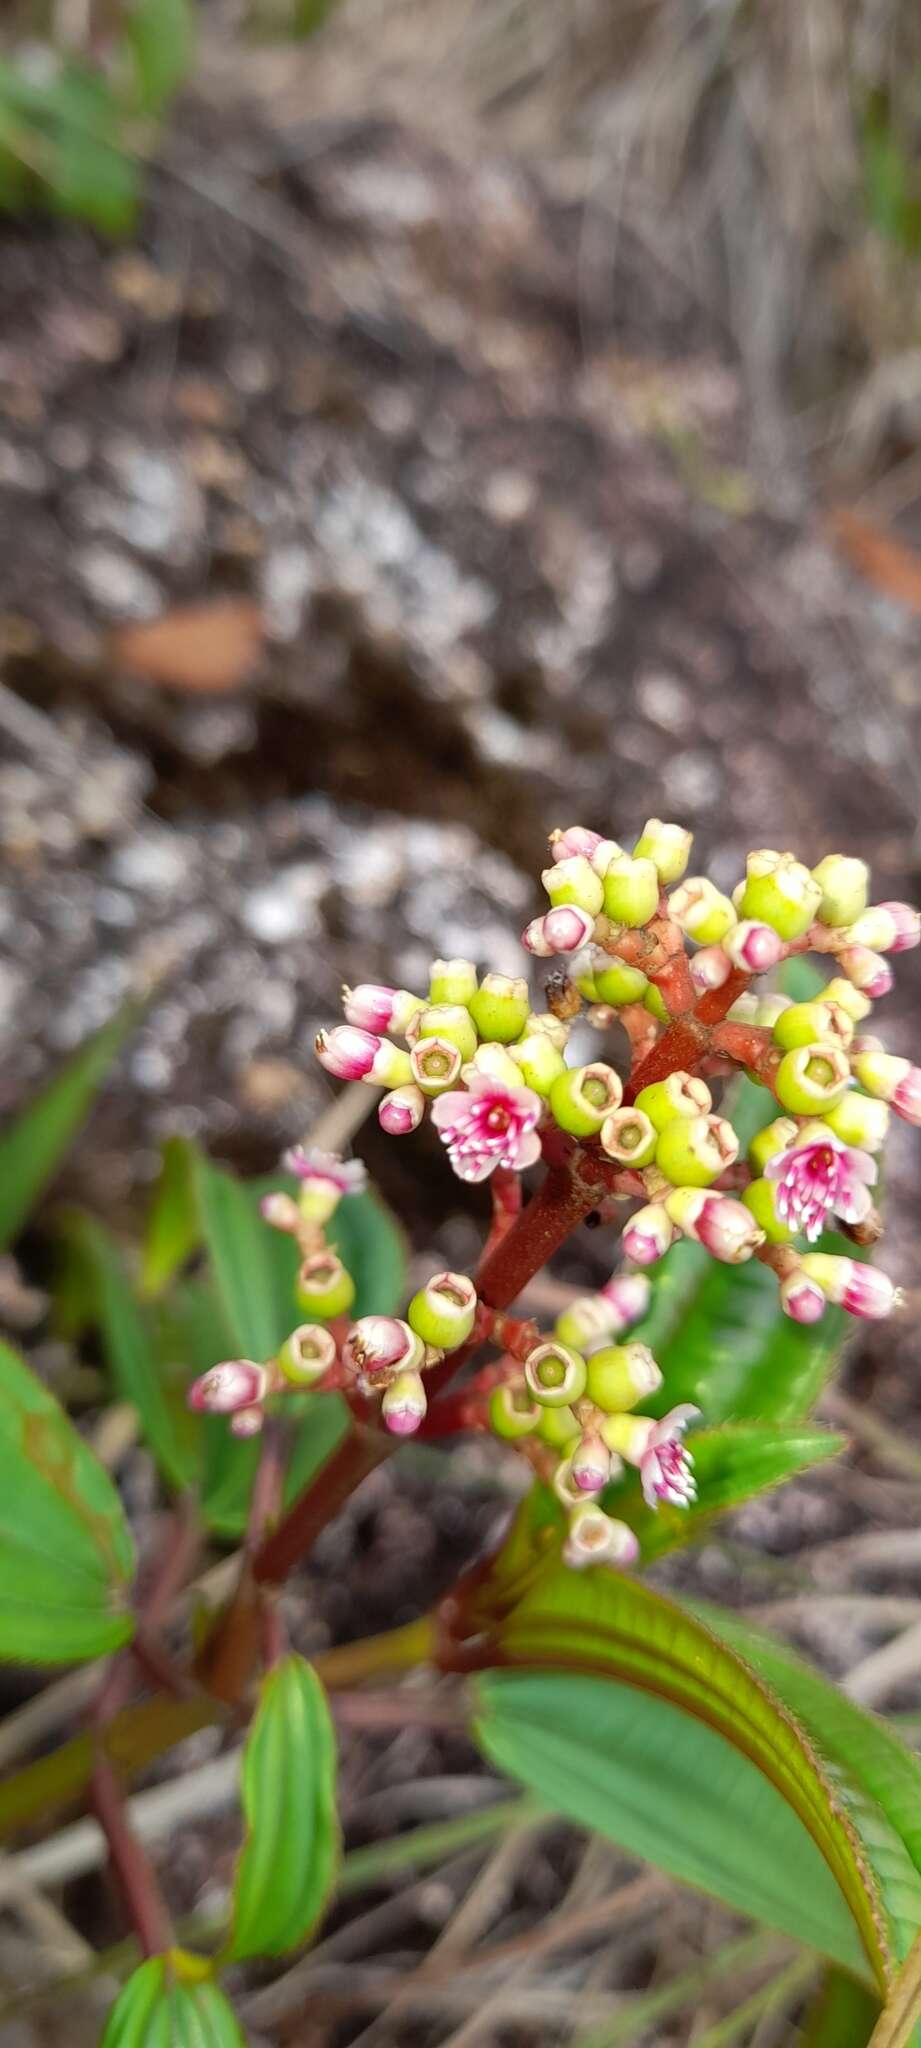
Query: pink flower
point(665, 1467)
point(823, 1178)
point(867, 1291)
point(345, 1176)
point(488, 1124)
point(563, 930)
point(628, 1296)
point(228, 1389)
point(374, 1007)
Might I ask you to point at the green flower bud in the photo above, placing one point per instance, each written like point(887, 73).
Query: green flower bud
point(512, 1414)
point(500, 1007)
point(849, 998)
point(679, 1095)
point(810, 1023)
point(443, 1312)
point(655, 1003)
point(693, 1151)
point(627, 1435)
point(630, 1137)
point(584, 978)
point(307, 1355)
point(539, 1063)
point(845, 886)
point(555, 1375)
point(775, 1137)
point(452, 981)
point(617, 984)
point(582, 1097)
point(557, 1427)
point(449, 1021)
point(435, 1065)
point(784, 896)
point(667, 846)
point(631, 890)
point(574, 881)
point(701, 911)
point(588, 1320)
point(493, 1059)
point(745, 1009)
point(555, 1028)
point(620, 1375)
point(881, 1072)
point(324, 1288)
point(760, 1197)
point(810, 1079)
point(859, 1120)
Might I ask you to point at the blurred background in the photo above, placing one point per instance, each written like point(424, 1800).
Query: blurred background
point(423, 424)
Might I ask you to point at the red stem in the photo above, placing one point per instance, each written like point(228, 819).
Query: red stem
point(132, 1866)
point(506, 1192)
point(680, 1047)
point(751, 1046)
point(350, 1463)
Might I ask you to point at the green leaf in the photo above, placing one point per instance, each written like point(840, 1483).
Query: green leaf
point(371, 1245)
point(288, 1861)
point(129, 1351)
point(161, 37)
point(879, 1779)
point(66, 1556)
point(158, 2009)
point(843, 2015)
point(687, 1759)
point(242, 1257)
point(33, 1149)
point(173, 1230)
point(731, 1464)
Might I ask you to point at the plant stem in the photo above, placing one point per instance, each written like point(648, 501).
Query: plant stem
point(350, 1463)
point(130, 1862)
point(680, 1047)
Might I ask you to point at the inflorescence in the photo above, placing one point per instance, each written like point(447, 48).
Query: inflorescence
point(674, 963)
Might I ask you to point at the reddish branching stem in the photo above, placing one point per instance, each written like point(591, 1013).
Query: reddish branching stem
point(136, 1875)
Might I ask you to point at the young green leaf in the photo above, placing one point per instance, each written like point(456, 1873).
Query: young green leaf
point(33, 1148)
point(129, 1350)
point(666, 1787)
point(161, 37)
point(173, 1229)
point(843, 2015)
point(880, 1779)
point(731, 1464)
point(66, 1556)
point(288, 1861)
point(158, 2008)
point(602, 1626)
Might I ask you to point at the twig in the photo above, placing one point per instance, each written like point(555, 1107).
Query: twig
point(878, 1674)
point(131, 1865)
point(748, 1952)
point(772, 1997)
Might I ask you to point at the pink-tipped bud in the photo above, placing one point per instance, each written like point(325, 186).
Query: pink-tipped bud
point(374, 1007)
point(753, 946)
point(590, 1465)
point(801, 1299)
point(725, 1227)
point(628, 1296)
point(648, 1234)
point(354, 1055)
point(868, 971)
point(564, 930)
point(281, 1211)
point(907, 1098)
point(404, 1404)
point(887, 927)
point(889, 1078)
point(402, 1110)
point(227, 1388)
point(568, 841)
point(710, 968)
point(862, 1290)
point(247, 1421)
point(377, 1348)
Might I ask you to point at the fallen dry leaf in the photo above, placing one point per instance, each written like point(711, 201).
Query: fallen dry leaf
point(893, 567)
point(201, 647)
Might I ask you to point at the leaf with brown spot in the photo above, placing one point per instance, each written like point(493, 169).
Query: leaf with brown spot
point(203, 648)
point(66, 1556)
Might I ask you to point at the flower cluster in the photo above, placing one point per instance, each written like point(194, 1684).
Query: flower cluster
point(672, 963)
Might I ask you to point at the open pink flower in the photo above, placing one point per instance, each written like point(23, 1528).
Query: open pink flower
point(345, 1176)
point(666, 1467)
point(488, 1124)
point(820, 1179)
